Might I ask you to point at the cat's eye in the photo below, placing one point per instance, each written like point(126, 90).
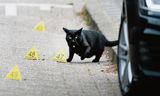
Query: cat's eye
point(69, 37)
point(76, 37)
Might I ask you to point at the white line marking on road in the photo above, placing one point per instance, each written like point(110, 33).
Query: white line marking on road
point(10, 10)
point(38, 5)
point(45, 7)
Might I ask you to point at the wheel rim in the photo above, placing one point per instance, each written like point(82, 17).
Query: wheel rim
point(125, 72)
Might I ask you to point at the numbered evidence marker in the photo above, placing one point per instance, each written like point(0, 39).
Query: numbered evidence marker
point(32, 54)
point(40, 27)
point(14, 74)
point(60, 56)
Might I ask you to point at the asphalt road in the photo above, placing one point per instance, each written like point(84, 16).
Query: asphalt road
point(45, 77)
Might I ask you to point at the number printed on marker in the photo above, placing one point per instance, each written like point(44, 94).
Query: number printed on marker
point(32, 54)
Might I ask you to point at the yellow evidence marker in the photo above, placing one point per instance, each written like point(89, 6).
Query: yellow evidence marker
point(32, 54)
point(60, 56)
point(40, 27)
point(14, 74)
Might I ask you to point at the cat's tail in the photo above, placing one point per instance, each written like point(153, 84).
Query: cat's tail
point(111, 43)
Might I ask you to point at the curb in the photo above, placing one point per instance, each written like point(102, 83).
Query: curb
point(106, 16)
point(107, 20)
point(104, 19)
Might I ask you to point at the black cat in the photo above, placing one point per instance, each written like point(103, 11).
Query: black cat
point(86, 43)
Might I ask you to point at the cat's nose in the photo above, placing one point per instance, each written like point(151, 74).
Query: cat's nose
point(73, 40)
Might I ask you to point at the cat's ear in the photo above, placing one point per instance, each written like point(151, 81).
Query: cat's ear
point(66, 30)
point(79, 31)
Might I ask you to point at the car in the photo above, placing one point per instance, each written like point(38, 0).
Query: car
point(138, 54)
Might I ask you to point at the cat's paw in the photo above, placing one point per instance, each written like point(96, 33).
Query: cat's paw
point(69, 60)
point(95, 60)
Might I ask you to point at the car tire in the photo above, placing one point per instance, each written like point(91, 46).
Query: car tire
point(125, 75)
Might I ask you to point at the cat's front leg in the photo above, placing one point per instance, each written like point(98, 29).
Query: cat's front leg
point(71, 54)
